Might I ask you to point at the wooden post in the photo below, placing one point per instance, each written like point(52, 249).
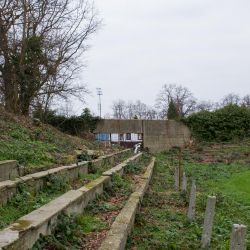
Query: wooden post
point(176, 183)
point(180, 169)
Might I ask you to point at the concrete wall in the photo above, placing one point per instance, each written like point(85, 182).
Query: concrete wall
point(23, 233)
point(8, 188)
point(158, 135)
point(8, 170)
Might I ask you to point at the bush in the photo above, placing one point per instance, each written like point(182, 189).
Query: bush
point(74, 125)
point(226, 124)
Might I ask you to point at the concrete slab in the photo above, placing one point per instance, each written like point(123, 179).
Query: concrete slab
point(24, 232)
point(8, 189)
point(98, 163)
point(117, 236)
point(8, 170)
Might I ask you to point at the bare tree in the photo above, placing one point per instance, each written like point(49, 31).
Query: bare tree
point(123, 110)
point(182, 97)
point(246, 101)
point(231, 98)
point(41, 43)
point(130, 107)
point(140, 109)
point(119, 109)
point(205, 105)
point(151, 113)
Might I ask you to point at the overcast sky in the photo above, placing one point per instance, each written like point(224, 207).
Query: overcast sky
point(203, 45)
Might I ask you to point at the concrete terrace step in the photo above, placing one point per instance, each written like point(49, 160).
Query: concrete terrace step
point(116, 238)
point(23, 233)
point(9, 188)
point(8, 169)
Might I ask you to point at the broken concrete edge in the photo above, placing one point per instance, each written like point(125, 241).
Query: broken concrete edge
point(23, 233)
point(149, 172)
point(120, 152)
point(116, 237)
point(137, 157)
point(8, 188)
point(119, 168)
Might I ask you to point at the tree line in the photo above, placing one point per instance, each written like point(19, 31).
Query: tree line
point(41, 47)
point(184, 102)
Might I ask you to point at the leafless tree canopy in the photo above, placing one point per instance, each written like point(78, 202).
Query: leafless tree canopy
point(41, 44)
point(206, 105)
point(231, 98)
point(123, 110)
point(246, 101)
point(183, 99)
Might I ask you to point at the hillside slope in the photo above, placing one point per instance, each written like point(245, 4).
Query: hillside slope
point(22, 140)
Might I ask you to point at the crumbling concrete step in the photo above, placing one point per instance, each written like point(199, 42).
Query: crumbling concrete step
point(117, 236)
point(9, 188)
point(120, 168)
point(23, 233)
point(8, 170)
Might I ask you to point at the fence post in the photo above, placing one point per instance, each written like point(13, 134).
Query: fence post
point(208, 222)
point(179, 169)
point(192, 198)
point(184, 188)
point(237, 237)
point(176, 184)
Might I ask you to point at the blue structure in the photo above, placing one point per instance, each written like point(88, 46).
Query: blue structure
point(102, 137)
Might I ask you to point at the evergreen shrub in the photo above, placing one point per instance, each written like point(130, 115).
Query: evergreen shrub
point(226, 124)
point(74, 125)
point(172, 111)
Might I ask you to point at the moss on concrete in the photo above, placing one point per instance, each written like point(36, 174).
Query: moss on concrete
point(69, 159)
point(23, 224)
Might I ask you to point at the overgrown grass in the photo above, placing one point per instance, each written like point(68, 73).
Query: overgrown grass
point(29, 199)
point(90, 221)
point(30, 146)
point(162, 222)
point(69, 232)
point(44, 145)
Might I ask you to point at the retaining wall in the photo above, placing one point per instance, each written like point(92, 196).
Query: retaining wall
point(158, 135)
point(120, 229)
point(8, 169)
point(9, 188)
point(23, 234)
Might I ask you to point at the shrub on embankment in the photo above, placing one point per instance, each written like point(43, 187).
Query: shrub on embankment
point(73, 125)
point(29, 144)
point(226, 124)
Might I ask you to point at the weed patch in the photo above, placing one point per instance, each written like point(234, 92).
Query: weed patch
point(29, 199)
point(162, 222)
point(97, 218)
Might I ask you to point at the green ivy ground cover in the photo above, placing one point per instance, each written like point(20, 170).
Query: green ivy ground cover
point(29, 199)
point(162, 222)
point(30, 145)
point(78, 231)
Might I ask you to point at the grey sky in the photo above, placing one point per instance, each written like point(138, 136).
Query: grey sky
point(203, 45)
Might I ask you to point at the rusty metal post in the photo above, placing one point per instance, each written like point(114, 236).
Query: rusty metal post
point(180, 169)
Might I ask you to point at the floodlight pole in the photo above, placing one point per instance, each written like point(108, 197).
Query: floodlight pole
point(99, 92)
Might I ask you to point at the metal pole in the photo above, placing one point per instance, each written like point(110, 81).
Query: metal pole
point(99, 93)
